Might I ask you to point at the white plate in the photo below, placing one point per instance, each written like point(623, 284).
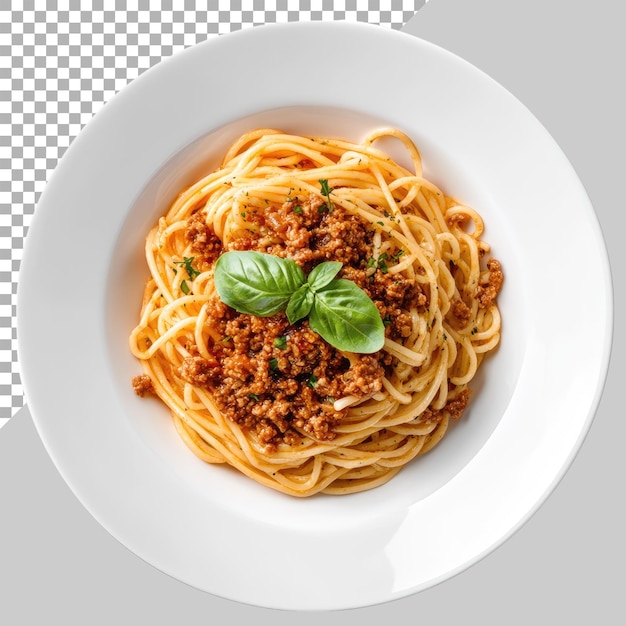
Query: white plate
point(210, 527)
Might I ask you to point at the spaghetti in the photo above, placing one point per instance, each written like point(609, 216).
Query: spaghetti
point(274, 400)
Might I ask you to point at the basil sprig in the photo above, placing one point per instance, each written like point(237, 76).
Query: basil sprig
point(256, 283)
point(338, 310)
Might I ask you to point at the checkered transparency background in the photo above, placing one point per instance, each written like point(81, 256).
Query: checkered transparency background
point(61, 61)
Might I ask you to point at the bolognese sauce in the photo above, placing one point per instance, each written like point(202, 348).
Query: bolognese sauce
point(279, 379)
point(316, 338)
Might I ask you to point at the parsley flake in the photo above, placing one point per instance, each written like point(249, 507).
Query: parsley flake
point(326, 192)
point(280, 342)
point(192, 272)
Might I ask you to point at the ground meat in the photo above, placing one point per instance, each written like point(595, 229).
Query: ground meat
point(278, 380)
point(304, 230)
point(204, 242)
point(197, 370)
point(395, 296)
point(454, 408)
point(487, 294)
point(142, 385)
point(402, 324)
point(461, 312)
point(342, 237)
point(365, 377)
point(217, 312)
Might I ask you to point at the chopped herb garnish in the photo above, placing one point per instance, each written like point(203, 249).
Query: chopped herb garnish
point(379, 263)
point(312, 382)
point(280, 342)
point(184, 287)
point(254, 397)
point(326, 192)
point(297, 209)
point(387, 320)
point(273, 364)
point(192, 272)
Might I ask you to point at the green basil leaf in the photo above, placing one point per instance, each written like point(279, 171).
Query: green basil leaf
point(256, 283)
point(300, 304)
point(346, 318)
point(323, 273)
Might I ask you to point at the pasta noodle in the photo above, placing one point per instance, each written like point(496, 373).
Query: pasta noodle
point(437, 288)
